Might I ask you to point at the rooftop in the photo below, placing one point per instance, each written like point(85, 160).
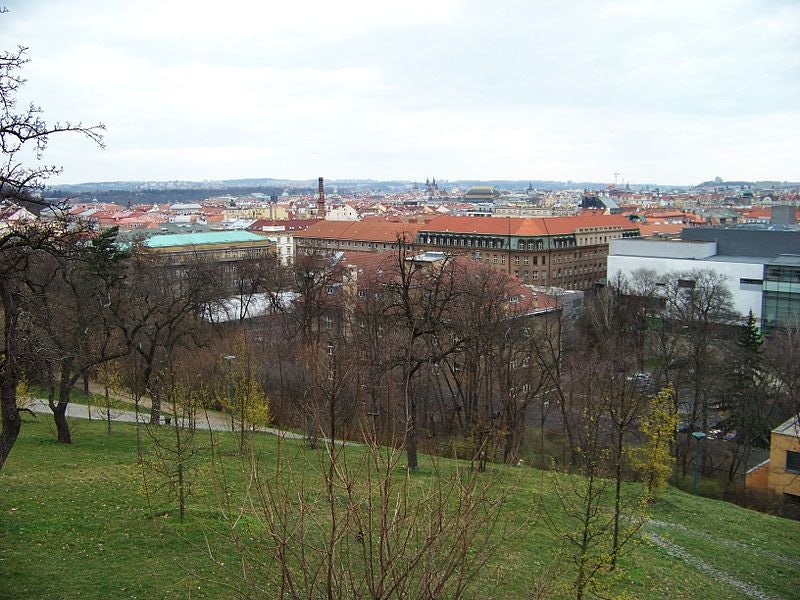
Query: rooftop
point(790, 427)
point(202, 239)
point(527, 226)
point(377, 230)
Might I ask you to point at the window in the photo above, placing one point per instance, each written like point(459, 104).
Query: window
point(525, 260)
point(686, 284)
point(327, 321)
point(793, 461)
point(744, 281)
point(329, 349)
point(516, 260)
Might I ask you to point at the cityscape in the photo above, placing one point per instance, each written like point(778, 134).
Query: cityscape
point(437, 301)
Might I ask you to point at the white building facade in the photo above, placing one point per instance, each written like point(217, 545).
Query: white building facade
point(743, 275)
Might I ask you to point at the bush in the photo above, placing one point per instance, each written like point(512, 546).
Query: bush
point(708, 488)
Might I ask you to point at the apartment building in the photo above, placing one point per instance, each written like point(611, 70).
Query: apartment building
point(566, 252)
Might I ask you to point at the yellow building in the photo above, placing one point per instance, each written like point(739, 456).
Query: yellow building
point(781, 472)
point(273, 212)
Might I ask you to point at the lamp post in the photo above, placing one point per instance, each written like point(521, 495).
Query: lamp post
point(228, 360)
point(699, 436)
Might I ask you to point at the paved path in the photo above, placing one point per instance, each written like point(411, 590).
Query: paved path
point(207, 420)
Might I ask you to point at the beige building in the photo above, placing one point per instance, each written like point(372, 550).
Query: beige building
point(781, 472)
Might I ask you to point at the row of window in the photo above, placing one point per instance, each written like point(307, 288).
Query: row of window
point(466, 242)
point(348, 244)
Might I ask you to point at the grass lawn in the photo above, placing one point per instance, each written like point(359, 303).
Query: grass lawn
point(75, 522)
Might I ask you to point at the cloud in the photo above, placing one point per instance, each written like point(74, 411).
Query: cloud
point(665, 92)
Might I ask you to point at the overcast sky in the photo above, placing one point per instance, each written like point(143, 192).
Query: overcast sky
point(662, 92)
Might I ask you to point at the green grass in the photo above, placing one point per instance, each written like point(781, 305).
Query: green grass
point(75, 522)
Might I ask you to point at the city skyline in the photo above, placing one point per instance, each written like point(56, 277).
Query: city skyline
point(659, 93)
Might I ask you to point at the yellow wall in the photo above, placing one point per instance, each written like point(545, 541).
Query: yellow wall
point(780, 480)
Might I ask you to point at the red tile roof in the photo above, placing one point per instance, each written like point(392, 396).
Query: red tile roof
point(377, 230)
point(527, 226)
point(651, 229)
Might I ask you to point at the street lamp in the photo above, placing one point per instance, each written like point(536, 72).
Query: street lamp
point(699, 436)
point(228, 360)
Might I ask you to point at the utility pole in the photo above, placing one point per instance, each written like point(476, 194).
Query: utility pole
point(699, 436)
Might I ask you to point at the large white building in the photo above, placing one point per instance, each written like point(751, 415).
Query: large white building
point(759, 263)
point(743, 274)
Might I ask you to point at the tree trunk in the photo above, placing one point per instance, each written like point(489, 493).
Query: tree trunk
point(11, 421)
point(60, 409)
point(108, 410)
point(62, 426)
point(411, 434)
point(155, 404)
point(617, 499)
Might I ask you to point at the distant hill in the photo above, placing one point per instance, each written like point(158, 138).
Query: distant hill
point(160, 192)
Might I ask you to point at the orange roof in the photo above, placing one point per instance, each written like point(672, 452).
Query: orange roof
point(377, 230)
point(527, 226)
point(651, 229)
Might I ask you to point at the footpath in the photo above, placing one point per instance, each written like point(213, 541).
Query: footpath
point(207, 419)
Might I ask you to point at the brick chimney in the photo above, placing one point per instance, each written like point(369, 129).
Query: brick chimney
point(321, 200)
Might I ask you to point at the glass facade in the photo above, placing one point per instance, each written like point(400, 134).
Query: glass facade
point(781, 292)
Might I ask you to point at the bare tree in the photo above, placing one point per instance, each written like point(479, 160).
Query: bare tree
point(699, 306)
point(163, 311)
point(420, 295)
point(70, 300)
point(346, 522)
point(22, 131)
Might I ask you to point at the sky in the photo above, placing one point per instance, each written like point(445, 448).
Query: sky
point(658, 91)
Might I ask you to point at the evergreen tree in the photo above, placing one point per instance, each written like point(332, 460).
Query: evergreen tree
point(745, 402)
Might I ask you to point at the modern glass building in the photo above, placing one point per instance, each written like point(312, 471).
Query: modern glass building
point(781, 295)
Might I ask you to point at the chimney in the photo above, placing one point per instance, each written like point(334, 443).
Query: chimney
point(321, 200)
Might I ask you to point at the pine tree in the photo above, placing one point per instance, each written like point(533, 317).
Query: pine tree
point(745, 399)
